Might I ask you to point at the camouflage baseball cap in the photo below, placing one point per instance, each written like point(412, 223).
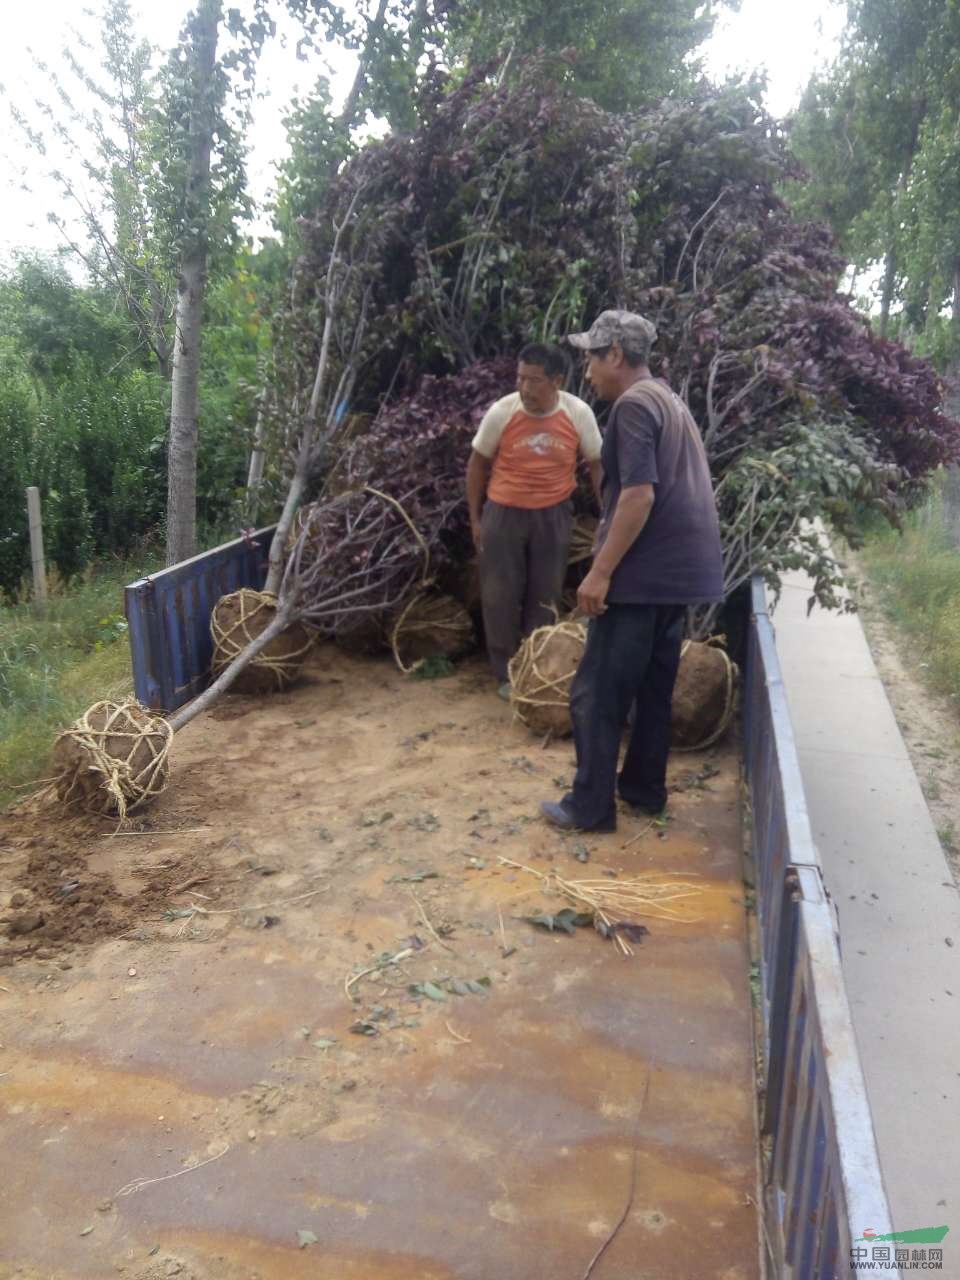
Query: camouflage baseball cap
point(624, 327)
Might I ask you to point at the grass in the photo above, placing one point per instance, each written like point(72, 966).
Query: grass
point(55, 662)
point(916, 577)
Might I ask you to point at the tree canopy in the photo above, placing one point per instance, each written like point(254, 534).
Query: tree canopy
point(519, 209)
point(879, 136)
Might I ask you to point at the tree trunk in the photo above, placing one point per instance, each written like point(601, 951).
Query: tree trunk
point(257, 460)
point(375, 28)
point(886, 297)
point(182, 457)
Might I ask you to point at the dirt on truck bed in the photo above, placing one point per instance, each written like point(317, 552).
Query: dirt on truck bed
point(191, 1085)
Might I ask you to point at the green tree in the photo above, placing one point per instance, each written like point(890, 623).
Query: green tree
point(50, 322)
point(94, 138)
point(624, 52)
point(879, 135)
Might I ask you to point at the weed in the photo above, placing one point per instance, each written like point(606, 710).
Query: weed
point(756, 988)
point(916, 580)
point(55, 661)
point(948, 836)
point(435, 667)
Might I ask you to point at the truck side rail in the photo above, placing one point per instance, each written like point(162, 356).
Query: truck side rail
point(168, 616)
point(822, 1183)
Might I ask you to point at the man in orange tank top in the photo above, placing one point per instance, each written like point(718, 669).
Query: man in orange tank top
point(520, 478)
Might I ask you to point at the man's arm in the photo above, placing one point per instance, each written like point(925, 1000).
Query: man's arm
point(590, 443)
point(630, 515)
point(478, 476)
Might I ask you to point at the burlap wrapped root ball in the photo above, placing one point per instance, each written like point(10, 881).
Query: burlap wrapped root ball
point(431, 626)
point(541, 672)
point(239, 618)
point(113, 759)
point(702, 696)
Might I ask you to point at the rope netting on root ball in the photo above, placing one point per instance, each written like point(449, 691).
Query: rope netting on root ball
point(238, 619)
point(430, 626)
point(703, 696)
point(112, 759)
point(541, 672)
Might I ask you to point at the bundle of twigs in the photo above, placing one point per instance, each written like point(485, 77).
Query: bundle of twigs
point(616, 902)
point(357, 555)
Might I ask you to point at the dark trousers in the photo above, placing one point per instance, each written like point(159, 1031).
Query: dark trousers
point(522, 569)
point(631, 660)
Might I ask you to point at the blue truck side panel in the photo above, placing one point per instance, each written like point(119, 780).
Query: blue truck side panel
point(822, 1179)
point(168, 616)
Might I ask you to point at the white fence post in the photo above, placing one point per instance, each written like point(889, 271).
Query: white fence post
point(36, 545)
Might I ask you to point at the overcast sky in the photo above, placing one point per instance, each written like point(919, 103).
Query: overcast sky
point(789, 39)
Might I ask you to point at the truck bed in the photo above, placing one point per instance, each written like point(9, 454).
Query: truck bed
point(190, 1075)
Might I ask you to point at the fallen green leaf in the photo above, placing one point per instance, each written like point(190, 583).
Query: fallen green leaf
point(428, 989)
point(566, 920)
point(307, 1237)
point(363, 1027)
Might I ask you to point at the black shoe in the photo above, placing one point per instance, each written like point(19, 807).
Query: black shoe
point(645, 810)
point(560, 816)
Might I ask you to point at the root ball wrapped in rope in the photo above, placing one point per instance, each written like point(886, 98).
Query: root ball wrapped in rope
point(430, 626)
point(113, 759)
point(703, 697)
point(541, 672)
point(240, 617)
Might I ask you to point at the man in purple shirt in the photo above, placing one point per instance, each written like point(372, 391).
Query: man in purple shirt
point(658, 552)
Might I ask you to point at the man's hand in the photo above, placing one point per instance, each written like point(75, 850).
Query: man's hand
point(476, 528)
point(592, 595)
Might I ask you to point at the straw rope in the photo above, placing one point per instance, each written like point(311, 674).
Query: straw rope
point(229, 641)
point(615, 902)
point(730, 674)
point(126, 782)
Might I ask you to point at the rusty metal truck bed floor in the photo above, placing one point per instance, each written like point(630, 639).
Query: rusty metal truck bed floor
point(182, 1091)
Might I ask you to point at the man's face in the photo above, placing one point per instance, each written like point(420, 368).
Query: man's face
point(602, 372)
point(538, 391)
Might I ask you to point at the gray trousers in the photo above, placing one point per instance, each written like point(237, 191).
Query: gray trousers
point(522, 568)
